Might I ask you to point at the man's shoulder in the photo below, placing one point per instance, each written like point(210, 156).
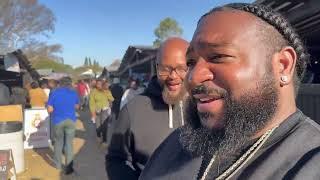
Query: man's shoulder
point(64, 91)
point(306, 132)
point(169, 151)
point(301, 148)
point(139, 100)
point(172, 141)
point(170, 145)
point(39, 90)
point(309, 128)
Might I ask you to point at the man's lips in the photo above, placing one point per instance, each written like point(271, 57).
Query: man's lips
point(173, 86)
point(207, 103)
point(203, 98)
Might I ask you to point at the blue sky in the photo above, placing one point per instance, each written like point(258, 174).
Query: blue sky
point(103, 29)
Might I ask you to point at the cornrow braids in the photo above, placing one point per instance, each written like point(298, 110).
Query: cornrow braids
point(277, 21)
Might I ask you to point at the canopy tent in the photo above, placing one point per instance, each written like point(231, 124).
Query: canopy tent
point(89, 72)
point(56, 76)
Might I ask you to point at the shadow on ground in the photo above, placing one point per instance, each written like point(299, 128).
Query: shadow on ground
point(89, 160)
point(89, 155)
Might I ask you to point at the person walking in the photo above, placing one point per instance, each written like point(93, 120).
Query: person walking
point(99, 103)
point(146, 120)
point(38, 97)
point(62, 105)
point(45, 87)
point(117, 92)
point(131, 92)
point(82, 90)
point(107, 124)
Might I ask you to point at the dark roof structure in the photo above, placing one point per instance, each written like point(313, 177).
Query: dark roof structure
point(25, 64)
point(137, 58)
point(304, 15)
point(27, 72)
point(111, 70)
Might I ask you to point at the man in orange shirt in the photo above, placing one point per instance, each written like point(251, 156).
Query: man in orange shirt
point(38, 97)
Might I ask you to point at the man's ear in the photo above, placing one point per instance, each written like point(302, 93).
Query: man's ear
point(285, 62)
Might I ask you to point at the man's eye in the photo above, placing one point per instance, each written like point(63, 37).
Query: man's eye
point(216, 58)
point(164, 68)
point(191, 62)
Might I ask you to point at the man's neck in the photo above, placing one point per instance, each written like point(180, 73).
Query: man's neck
point(284, 110)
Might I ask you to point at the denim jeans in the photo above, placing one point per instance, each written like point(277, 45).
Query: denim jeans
point(101, 124)
point(63, 134)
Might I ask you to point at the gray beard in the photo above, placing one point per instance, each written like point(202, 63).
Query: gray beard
point(169, 99)
point(243, 118)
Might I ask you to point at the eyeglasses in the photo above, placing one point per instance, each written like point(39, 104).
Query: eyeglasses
point(166, 71)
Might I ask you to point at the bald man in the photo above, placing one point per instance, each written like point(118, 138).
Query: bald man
point(149, 118)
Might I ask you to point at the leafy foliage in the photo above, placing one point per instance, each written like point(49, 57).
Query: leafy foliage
point(168, 27)
point(21, 21)
point(50, 64)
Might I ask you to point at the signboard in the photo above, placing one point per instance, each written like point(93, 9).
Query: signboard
point(4, 164)
point(36, 128)
point(7, 167)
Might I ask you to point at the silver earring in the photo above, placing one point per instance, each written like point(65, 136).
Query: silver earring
point(284, 79)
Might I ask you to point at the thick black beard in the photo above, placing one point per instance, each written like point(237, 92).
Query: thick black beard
point(243, 118)
point(169, 99)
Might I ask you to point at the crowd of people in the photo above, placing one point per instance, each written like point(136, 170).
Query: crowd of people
point(33, 94)
point(64, 100)
point(96, 96)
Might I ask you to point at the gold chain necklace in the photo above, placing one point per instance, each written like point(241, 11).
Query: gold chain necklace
point(242, 160)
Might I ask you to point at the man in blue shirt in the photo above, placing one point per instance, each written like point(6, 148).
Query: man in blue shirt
point(62, 105)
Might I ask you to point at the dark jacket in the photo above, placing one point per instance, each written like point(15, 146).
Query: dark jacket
point(291, 152)
point(4, 94)
point(19, 96)
point(142, 125)
point(117, 92)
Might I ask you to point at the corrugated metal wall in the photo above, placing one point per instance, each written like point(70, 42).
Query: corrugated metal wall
point(308, 100)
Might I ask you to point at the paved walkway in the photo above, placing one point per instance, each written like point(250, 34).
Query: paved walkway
point(88, 163)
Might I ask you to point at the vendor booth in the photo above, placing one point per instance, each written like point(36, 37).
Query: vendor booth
point(20, 128)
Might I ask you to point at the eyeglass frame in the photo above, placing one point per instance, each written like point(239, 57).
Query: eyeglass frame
point(170, 69)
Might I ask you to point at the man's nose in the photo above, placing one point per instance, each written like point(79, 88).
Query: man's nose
point(173, 74)
point(199, 74)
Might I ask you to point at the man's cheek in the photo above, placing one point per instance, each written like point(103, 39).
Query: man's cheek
point(187, 85)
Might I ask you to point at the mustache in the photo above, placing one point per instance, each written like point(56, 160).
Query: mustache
point(202, 89)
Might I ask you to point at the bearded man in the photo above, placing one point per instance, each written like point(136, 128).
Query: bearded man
point(245, 63)
point(146, 120)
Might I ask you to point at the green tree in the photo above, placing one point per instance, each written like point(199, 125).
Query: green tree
point(168, 27)
point(50, 64)
point(86, 62)
point(37, 51)
point(22, 22)
point(89, 62)
point(95, 63)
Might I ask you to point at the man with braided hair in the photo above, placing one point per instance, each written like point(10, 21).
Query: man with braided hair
point(245, 63)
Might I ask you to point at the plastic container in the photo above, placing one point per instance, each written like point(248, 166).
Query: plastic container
point(11, 137)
